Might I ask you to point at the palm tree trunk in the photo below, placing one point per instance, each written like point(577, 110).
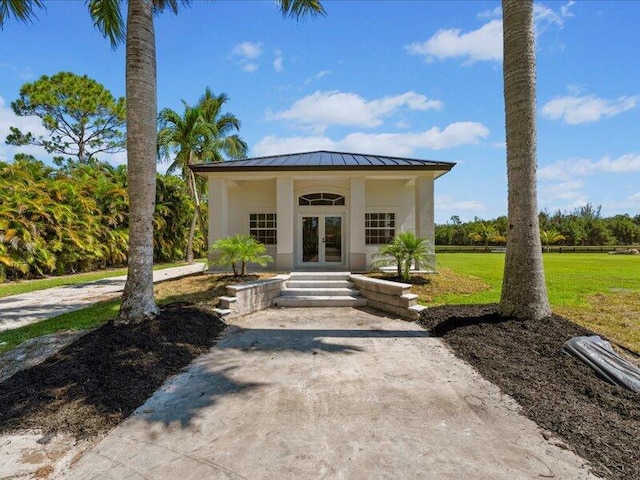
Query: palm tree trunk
point(203, 227)
point(137, 299)
point(192, 234)
point(524, 293)
point(191, 183)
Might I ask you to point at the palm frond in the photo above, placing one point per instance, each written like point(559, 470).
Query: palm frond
point(107, 18)
point(22, 10)
point(299, 8)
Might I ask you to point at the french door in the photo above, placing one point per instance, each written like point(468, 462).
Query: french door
point(321, 239)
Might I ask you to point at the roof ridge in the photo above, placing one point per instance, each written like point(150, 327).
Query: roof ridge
point(288, 155)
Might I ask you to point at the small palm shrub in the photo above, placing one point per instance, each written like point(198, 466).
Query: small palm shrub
point(403, 251)
point(238, 251)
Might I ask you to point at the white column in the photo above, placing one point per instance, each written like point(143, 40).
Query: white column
point(218, 209)
point(357, 255)
point(285, 219)
point(424, 200)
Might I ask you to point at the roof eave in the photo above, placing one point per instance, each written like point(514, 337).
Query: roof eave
point(209, 168)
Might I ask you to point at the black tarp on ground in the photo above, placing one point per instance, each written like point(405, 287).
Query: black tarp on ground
point(600, 356)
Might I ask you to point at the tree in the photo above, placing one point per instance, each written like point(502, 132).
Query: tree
point(201, 134)
point(416, 251)
point(137, 299)
point(240, 249)
point(390, 254)
point(405, 249)
point(550, 237)
point(524, 292)
point(82, 117)
point(486, 233)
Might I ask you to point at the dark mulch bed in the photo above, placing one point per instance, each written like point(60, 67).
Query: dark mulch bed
point(90, 386)
point(599, 421)
point(413, 280)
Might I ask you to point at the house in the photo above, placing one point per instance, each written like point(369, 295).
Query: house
point(321, 210)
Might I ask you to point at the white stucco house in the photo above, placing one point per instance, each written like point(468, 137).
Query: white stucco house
point(322, 210)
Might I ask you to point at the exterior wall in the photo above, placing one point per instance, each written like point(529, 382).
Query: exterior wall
point(243, 198)
point(395, 196)
point(233, 199)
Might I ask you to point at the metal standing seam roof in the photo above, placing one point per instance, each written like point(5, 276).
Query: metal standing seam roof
point(322, 160)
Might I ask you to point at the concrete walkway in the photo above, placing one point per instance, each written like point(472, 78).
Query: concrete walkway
point(24, 309)
point(333, 393)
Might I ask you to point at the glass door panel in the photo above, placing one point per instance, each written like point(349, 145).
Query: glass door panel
point(332, 240)
point(310, 235)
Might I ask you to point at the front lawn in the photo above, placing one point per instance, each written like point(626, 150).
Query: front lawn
point(202, 289)
point(25, 286)
point(598, 291)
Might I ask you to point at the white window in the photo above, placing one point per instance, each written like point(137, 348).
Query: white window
point(263, 227)
point(321, 199)
point(380, 228)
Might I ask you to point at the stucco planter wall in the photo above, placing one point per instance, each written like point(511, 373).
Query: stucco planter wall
point(390, 297)
point(252, 296)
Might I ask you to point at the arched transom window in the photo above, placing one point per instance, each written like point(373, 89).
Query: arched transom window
point(321, 199)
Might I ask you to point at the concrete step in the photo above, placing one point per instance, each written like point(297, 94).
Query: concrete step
point(320, 301)
point(327, 292)
point(319, 284)
point(297, 276)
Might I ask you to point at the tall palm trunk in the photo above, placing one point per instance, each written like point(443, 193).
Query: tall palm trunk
point(137, 300)
point(524, 293)
point(194, 220)
point(191, 183)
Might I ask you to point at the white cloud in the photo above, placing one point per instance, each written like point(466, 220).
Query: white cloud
point(484, 43)
point(26, 124)
point(317, 76)
point(272, 145)
point(322, 109)
point(575, 110)
point(564, 9)
point(248, 50)
point(454, 135)
point(246, 54)
point(447, 203)
point(278, 64)
point(494, 13)
point(568, 169)
point(23, 73)
point(400, 144)
point(570, 190)
point(250, 67)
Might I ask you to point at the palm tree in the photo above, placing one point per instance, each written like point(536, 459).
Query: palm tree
point(405, 249)
point(390, 254)
point(486, 233)
point(416, 250)
point(551, 236)
point(141, 84)
point(524, 293)
point(240, 249)
point(200, 134)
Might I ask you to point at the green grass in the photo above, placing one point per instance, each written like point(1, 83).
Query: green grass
point(89, 317)
point(204, 289)
point(571, 278)
point(26, 286)
point(598, 291)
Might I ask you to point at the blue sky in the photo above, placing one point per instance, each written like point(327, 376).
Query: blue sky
point(407, 78)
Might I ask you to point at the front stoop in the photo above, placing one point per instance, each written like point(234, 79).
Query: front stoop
point(319, 289)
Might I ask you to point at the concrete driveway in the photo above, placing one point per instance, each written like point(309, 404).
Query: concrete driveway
point(327, 393)
point(20, 310)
